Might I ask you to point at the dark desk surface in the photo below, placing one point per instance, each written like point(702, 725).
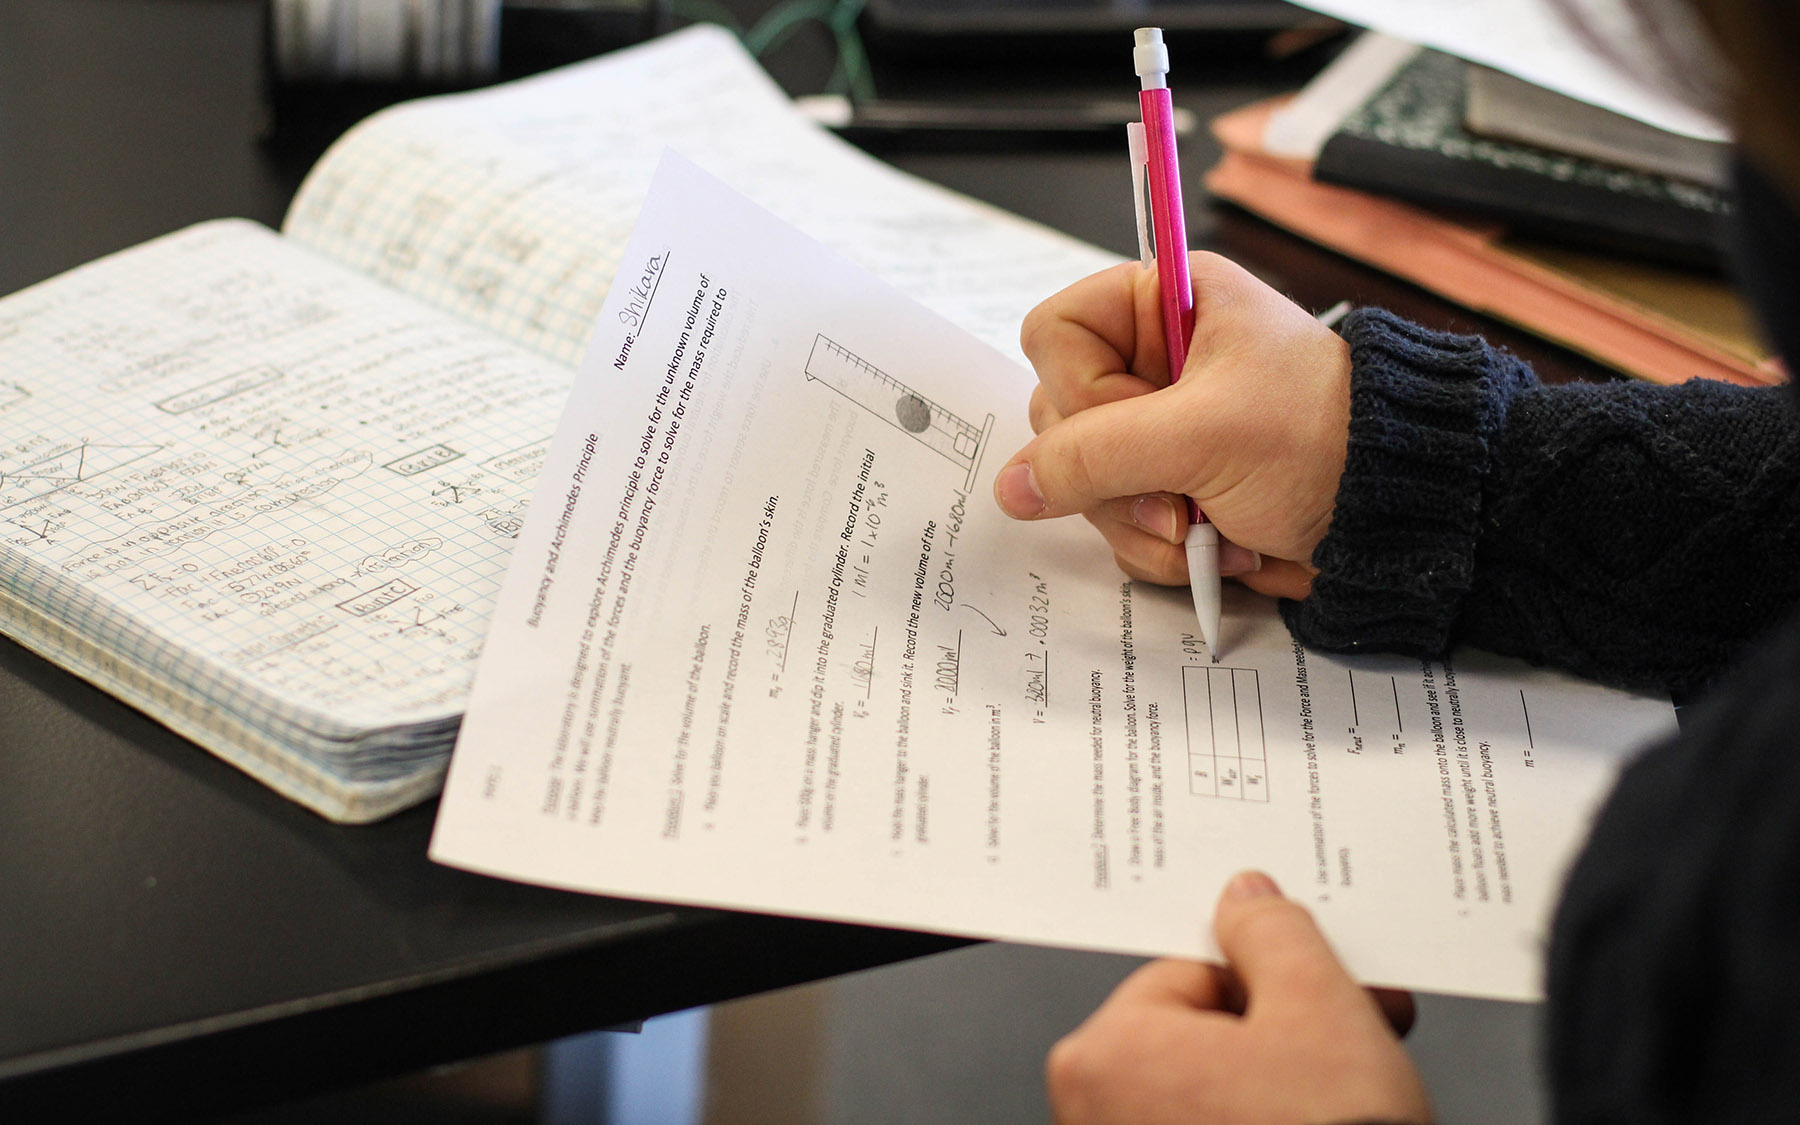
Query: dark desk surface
point(176, 939)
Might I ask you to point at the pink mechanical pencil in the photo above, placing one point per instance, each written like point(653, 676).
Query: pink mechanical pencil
point(1153, 158)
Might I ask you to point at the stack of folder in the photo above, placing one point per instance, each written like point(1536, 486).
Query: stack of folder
point(1615, 257)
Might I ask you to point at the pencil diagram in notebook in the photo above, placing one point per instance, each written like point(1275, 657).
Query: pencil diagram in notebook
point(79, 462)
point(958, 440)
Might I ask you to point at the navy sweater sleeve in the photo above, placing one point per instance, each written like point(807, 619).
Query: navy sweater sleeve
point(1634, 533)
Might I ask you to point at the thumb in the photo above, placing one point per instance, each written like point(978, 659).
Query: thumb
point(1124, 448)
point(1278, 951)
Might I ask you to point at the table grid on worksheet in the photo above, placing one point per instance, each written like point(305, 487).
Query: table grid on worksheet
point(1227, 745)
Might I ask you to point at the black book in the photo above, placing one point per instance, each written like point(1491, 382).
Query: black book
point(1409, 141)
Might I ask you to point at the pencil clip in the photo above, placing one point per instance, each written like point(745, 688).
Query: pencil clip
point(1140, 163)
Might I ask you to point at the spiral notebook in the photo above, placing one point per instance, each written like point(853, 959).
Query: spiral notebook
point(263, 486)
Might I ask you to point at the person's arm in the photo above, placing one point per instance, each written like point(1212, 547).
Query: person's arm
point(1409, 490)
point(1630, 532)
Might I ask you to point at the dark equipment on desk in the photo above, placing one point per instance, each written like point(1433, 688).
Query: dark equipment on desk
point(926, 28)
point(1015, 63)
point(448, 44)
point(330, 63)
point(889, 125)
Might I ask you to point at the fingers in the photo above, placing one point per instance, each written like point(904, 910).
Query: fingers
point(1289, 969)
point(1109, 451)
point(1277, 956)
point(1099, 340)
point(1148, 538)
point(1192, 984)
point(1280, 578)
point(1278, 951)
point(1137, 530)
point(1042, 412)
point(1397, 1008)
point(1282, 1034)
point(1256, 430)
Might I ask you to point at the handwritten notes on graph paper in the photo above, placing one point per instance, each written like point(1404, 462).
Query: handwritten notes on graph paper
point(766, 643)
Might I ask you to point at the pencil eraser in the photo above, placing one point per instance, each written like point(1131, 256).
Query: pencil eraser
point(1149, 56)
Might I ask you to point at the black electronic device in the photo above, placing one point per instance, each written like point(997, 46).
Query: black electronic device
point(923, 28)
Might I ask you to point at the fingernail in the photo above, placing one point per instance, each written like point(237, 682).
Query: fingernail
point(1156, 515)
point(1017, 491)
point(1251, 884)
point(1234, 559)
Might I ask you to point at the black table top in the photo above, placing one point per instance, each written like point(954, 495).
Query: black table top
point(176, 939)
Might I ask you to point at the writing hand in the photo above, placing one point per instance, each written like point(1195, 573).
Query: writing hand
point(1255, 430)
point(1282, 1035)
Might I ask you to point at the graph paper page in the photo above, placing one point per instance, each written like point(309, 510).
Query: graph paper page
point(768, 643)
point(283, 487)
point(510, 206)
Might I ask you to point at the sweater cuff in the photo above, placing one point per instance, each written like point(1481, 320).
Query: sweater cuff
point(1398, 559)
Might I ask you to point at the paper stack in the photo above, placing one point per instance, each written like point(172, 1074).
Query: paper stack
point(1393, 155)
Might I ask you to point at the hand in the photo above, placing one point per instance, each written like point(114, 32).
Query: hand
point(1255, 430)
point(1282, 1035)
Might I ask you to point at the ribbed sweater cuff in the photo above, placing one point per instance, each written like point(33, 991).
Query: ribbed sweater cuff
point(1398, 559)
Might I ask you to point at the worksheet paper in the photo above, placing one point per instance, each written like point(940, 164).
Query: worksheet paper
point(767, 643)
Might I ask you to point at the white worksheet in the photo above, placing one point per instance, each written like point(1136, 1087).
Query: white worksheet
point(766, 643)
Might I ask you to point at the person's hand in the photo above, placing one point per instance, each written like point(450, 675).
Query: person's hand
point(1255, 430)
point(1283, 1035)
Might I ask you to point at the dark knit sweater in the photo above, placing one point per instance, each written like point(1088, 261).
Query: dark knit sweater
point(1675, 960)
point(1641, 535)
point(1633, 533)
